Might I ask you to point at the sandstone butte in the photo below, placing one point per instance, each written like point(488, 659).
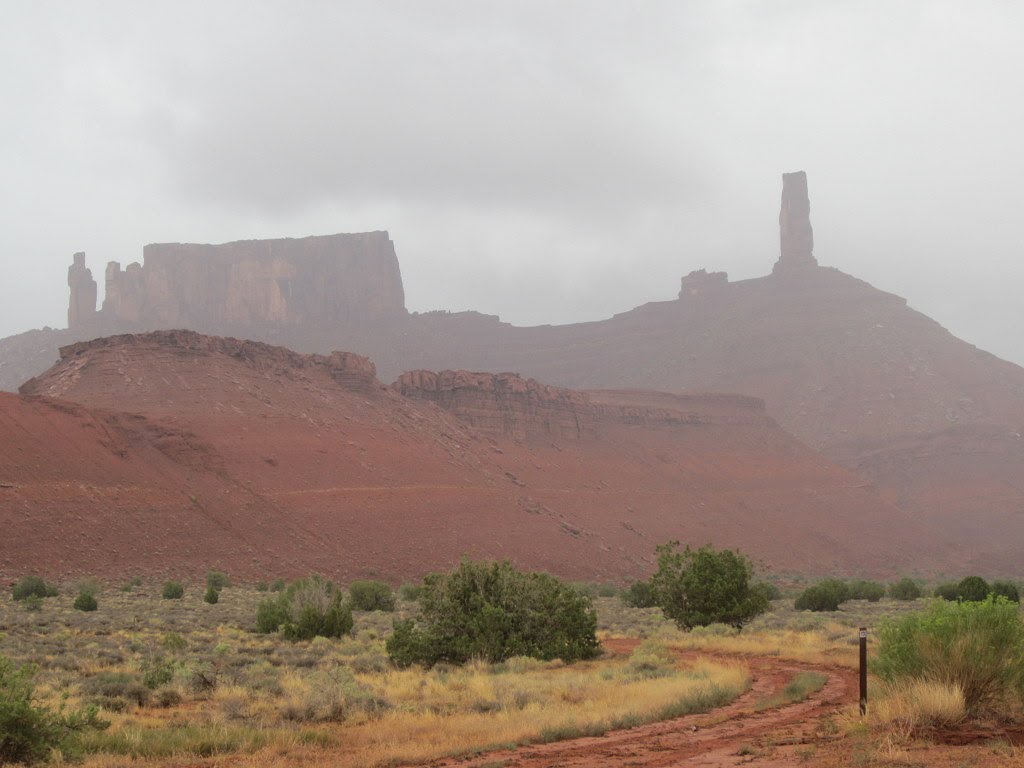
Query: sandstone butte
point(932, 423)
point(172, 451)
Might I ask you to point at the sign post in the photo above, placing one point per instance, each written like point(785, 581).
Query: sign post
point(863, 671)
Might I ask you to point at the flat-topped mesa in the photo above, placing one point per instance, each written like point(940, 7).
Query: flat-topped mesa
point(503, 404)
point(82, 301)
point(795, 234)
point(327, 281)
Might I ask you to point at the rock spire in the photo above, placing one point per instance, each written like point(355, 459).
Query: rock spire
point(795, 234)
point(82, 302)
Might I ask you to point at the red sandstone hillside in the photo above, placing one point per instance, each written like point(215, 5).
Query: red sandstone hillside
point(933, 422)
point(362, 479)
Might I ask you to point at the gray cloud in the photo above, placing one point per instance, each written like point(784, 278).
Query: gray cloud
point(548, 162)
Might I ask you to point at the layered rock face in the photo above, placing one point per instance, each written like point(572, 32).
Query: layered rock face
point(331, 281)
point(352, 372)
point(847, 368)
point(154, 453)
point(795, 233)
point(507, 405)
point(82, 302)
point(503, 404)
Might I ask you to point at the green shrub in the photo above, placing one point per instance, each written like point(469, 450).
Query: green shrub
point(32, 586)
point(27, 731)
point(820, 597)
point(172, 591)
point(947, 591)
point(1006, 589)
point(33, 603)
point(492, 611)
point(157, 671)
point(871, 591)
point(769, 590)
point(905, 589)
point(697, 587)
point(410, 592)
point(640, 594)
point(108, 687)
point(262, 586)
point(85, 602)
point(838, 587)
point(978, 646)
point(212, 596)
point(270, 615)
point(973, 589)
point(371, 596)
point(277, 585)
point(217, 579)
point(308, 608)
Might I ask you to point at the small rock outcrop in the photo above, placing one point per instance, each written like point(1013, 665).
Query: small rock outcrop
point(701, 281)
point(795, 234)
point(82, 301)
point(503, 404)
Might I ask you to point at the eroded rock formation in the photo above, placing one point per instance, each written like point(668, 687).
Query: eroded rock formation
point(345, 280)
point(353, 372)
point(82, 302)
point(701, 281)
point(154, 453)
point(795, 234)
point(503, 404)
point(508, 405)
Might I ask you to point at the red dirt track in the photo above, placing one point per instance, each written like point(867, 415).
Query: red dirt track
point(713, 740)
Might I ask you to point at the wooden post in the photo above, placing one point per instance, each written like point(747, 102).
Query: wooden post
point(863, 671)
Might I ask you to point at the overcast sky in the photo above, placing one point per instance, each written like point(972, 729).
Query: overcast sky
point(544, 161)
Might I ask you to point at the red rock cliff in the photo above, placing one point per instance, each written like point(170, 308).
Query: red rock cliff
point(82, 302)
point(507, 405)
point(328, 281)
point(503, 404)
point(353, 372)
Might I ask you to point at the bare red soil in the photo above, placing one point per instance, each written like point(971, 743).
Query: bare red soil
point(720, 738)
point(256, 459)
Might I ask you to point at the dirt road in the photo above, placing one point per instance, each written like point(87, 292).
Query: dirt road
point(729, 736)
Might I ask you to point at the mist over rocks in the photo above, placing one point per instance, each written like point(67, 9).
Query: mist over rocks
point(503, 404)
point(796, 237)
point(82, 301)
point(849, 369)
point(206, 449)
point(331, 280)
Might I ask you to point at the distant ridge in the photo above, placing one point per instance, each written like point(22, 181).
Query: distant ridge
point(178, 450)
point(934, 422)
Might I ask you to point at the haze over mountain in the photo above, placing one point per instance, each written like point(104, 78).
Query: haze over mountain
point(261, 460)
point(547, 162)
point(543, 163)
point(934, 423)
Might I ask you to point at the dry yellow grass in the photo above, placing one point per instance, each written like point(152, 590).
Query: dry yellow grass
point(828, 645)
point(433, 714)
point(907, 706)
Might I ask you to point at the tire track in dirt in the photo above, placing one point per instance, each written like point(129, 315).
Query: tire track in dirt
point(711, 740)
